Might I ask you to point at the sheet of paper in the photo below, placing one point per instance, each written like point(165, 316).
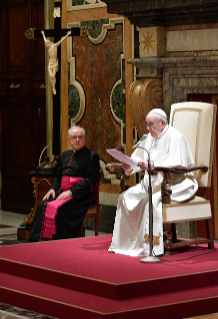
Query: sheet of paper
point(122, 157)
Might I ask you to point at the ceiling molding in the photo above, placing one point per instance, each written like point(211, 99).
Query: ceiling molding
point(165, 13)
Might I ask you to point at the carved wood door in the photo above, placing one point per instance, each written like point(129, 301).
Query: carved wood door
point(22, 100)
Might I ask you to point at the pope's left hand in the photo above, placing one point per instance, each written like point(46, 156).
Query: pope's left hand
point(143, 165)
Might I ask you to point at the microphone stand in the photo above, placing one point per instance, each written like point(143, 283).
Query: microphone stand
point(150, 258)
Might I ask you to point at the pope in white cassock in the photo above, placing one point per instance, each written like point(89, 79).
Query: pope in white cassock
point(167, 147)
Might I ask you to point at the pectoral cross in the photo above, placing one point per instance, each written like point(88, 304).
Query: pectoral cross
point(54, 67)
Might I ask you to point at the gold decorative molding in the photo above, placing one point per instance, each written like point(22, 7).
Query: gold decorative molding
point(156, 239)
point(12, 86)
point(36, 182)
point(84, 31)
point(29, 34)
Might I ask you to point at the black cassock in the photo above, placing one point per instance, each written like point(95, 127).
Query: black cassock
point(83, 163)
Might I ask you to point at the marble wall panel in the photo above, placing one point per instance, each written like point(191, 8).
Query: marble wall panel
point(192, 40)
point(99, 81)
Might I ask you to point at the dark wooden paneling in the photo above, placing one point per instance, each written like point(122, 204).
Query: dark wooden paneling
point(39, 127)
point(22, 100)
point(16, 133)
point(16, 154)
point(16, 50)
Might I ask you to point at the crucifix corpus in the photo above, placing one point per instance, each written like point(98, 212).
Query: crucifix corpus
point(54, 66)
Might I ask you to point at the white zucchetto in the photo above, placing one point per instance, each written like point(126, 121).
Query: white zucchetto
point(159, 112)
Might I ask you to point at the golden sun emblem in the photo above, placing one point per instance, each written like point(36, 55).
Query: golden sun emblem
point(148, 41)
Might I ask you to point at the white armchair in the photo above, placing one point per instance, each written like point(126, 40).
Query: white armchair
point(196, 121)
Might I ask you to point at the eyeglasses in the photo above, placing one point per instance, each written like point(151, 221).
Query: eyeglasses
point(151, 125)
point(75, 137)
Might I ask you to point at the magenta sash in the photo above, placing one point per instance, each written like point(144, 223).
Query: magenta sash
point(49, 227)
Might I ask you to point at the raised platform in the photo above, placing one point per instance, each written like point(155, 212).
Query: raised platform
point(78, 278)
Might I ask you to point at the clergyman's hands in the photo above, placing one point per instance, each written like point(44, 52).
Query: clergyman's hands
point(64, 195)
point(51, 192)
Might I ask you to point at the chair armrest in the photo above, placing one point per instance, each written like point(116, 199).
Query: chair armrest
point(178, 169)
point(167, 177)
point(110, 168)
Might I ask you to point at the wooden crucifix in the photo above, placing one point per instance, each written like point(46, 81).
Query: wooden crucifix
point(55, 68)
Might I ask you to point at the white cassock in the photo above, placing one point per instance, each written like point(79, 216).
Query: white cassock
point(131, 228)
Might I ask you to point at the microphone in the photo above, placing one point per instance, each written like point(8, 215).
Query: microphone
point(141, 139)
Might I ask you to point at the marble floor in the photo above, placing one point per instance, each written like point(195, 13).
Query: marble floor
point(9, 222)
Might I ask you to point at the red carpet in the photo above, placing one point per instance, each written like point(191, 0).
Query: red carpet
point(78, 278)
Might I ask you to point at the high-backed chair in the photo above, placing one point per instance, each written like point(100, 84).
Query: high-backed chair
point(93, 210)
point(196, 121)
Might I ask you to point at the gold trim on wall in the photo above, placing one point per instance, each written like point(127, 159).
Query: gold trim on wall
point(49, 24)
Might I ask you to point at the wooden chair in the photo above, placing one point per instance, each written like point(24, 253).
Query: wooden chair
point(196, 121)
point(93, 211)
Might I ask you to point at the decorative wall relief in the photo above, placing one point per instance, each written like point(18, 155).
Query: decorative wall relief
point(151, 41)
point(145, 94)
point(84, 4)
point(97, 86)
point(182, 80)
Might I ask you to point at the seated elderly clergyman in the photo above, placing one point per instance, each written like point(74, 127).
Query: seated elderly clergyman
point(167, 147)
point(63, 208)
